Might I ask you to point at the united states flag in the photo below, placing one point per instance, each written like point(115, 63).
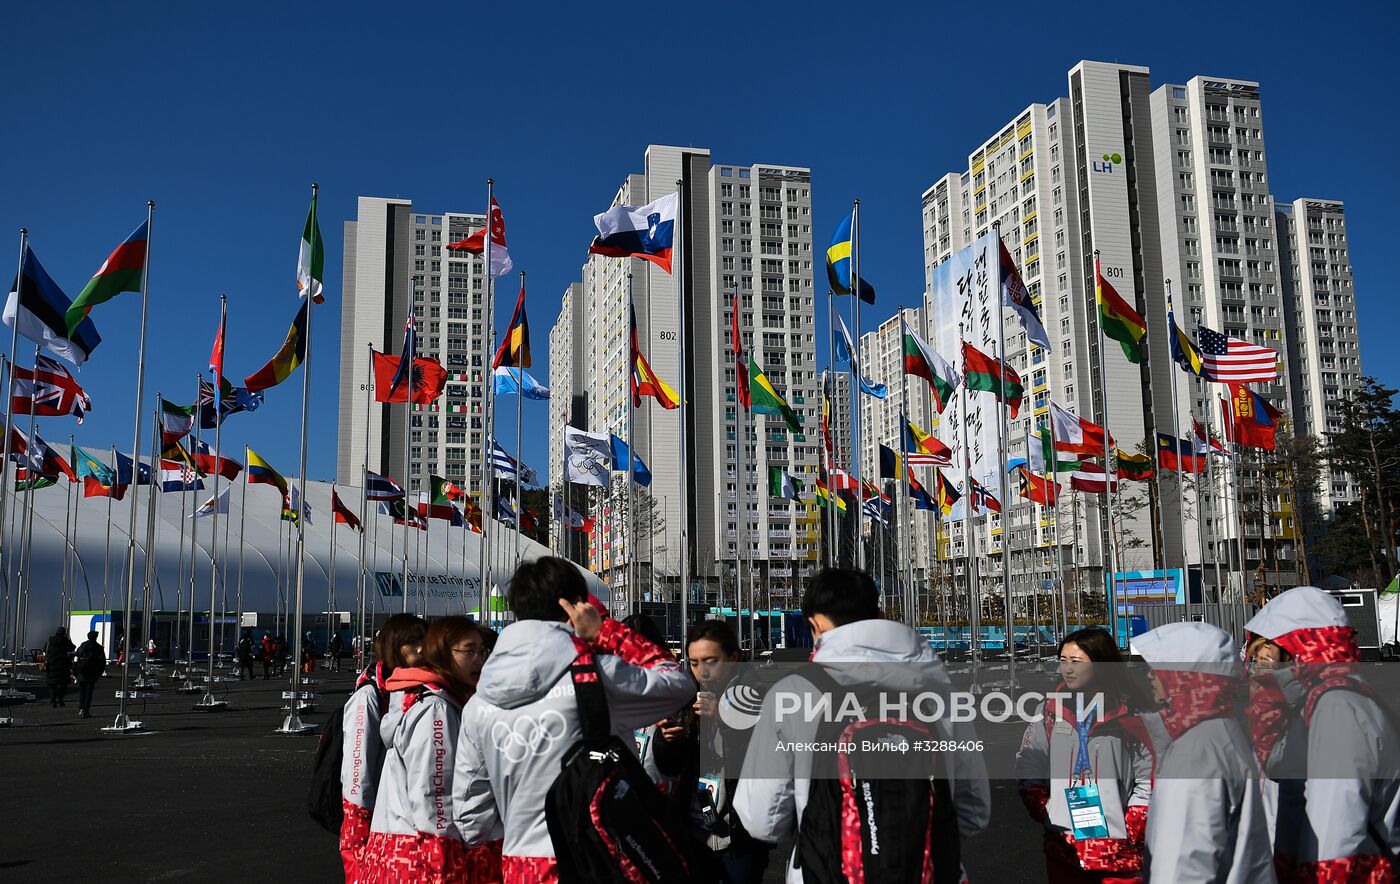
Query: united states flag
point(920, 459)
point(1228, 360)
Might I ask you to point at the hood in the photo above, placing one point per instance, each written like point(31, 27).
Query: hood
point(529, 658)
point(873, 641)
point(1309, 624)
point(1189, 647)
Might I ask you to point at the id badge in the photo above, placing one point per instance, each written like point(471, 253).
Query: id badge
point(1086, 812)
point(643, 740)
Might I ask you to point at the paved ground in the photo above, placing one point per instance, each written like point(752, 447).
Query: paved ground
point(218, 797)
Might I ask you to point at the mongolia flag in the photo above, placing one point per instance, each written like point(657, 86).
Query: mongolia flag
point(514, 351)
point(838, 264)
point(121, 272)
point(260, 472)
point(1255, 420)
point(38, 309)
point(475, 244)
point(644, 380)
point(291, 354)
point(645, 232)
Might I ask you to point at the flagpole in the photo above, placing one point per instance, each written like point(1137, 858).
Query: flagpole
point(1210, 480)
point(107, 553)
point(1180, 477)
point(488, 498)
point(364, 514)
point(855, 380)
point(1003, 439)
point(935, 516)
point(208, 701)
point(1055, 509)
point(292, 724)
point(741, 442)
point(5, 491)
point(631, 526)
point(1111, 559)
point(519, 412)
point(193, 497)
point(242, 534)
point(681, 333)
point(974, 588)
point(330, 612)
point(149, 576)
point(1235, 479)
point(27, 556)
point(411, 342)
point(65, 601)
point(903, 518)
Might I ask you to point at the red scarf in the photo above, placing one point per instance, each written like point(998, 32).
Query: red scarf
point(1194, 697)
point(407, 677)
point(1270, 711)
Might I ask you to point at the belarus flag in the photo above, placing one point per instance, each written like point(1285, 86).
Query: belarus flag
point(645, 232)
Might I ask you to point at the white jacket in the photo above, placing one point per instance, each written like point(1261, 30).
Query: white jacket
point(415, 785)
point(363, 750)
point(523, 719)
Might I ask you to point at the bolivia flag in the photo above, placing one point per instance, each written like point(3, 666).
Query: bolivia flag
point(281, 366)
point(982, 372)
point(645, 232)
point(921, 361)
point(121, 272)
point(1117, 319)
point(311, 258)
point(766, 399)
point(260, 472)
point(1134, 467)
point(780, 484)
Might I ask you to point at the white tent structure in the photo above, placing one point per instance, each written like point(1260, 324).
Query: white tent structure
point(442, 579)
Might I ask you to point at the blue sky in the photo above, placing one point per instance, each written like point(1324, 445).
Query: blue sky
point(226, 117)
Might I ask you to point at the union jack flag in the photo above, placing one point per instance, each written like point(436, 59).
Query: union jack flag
point(48, 390)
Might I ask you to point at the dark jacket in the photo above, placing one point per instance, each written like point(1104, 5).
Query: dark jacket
point(58, 659)
point(92, 659)
point(245, 650)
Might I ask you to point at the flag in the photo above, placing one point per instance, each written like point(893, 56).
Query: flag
point(923, 448)
point(766, 399)
point(121, 272)
point(981, 497)
point(98, 478)
point(177, 453)
point(947, 494)
point(506, 467)
point(565, 514)
point(645, 232)
point(1227, 360)
point(920, 496)
point(400, 514)
point(921, 361)
point(877, 509)
point(231, 400)
point(226, 467)
point(437, 504)
point(508, 380)
point(1213, 445)
point(868, 490)
point(587, 457)
point(504, 511)
point(217, 503)
point(826, 427)
point(1184, 353)
point(260, 472)
point(1134, 467)
point(403, 373)
point(1015, 295)
point(48, 390)
point(1040, 455)
point(36, 454)
point(1090, 479)
point(1255, 420)
point(781, 484)
point(1075, 435)
point(515, 349)
point(29, 480)
point(427, 380)
point(475, 244)
point(216, 363)
point(890, 462)
point(176, 422)
point(124, 477)
point(620, 452)
point(38, 308)
point(291, 354)
point(1178, 455)
point(342, 513)
point(1117, 319)
point(845, 353)
point(378, 487)
point(177, 476)
point(1036, 488)
point(840, 480)
point(311, 258)
point(294, 508)
point(982, 372)
point(736, 346)
point(644, 381)
point(838, 263)
point(825, 497)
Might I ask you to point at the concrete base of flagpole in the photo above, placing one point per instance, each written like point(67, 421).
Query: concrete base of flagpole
point(210, 703)
point(10, 695)
point(189, 687)
point(124, 724)
point(293, 725)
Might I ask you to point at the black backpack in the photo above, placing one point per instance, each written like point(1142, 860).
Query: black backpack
point(606, 818)
point(323, 797)
point(878, 828)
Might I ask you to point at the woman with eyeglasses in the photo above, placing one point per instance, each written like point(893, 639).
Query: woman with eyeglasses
point(412, 836)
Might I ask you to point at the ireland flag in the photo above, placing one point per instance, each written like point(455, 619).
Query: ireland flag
point(311, 258)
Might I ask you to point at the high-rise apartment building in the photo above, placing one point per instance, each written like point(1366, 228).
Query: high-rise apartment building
point(1319, 303)
point(745, 231)
point(395, 258)
point(568, 406)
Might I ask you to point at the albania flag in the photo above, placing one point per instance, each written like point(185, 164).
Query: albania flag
point(429, 379)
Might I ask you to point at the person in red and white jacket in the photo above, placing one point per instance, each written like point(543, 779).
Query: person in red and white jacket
point(524, 717)
point(399, 644)
point(413, 836)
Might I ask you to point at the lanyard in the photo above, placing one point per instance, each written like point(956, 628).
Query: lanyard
point(1081, 757)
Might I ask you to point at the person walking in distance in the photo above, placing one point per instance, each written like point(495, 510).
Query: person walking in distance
point(334, 647)
point(90, 662)
point(58, 666)
point(268, 655)
point(245, 655)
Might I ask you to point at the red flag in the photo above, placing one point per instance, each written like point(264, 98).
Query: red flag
point(1036, 488)
point(343, 515)
point(1255, 420)
point(216, 360)
point(475, 244)
point(514, 351)
point(428, 381)
point(741, 367)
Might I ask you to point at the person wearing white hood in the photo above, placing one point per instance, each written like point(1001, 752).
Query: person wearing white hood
point(1206, 820)
point(1319, 732)
point(524, 717)
point(777, 789)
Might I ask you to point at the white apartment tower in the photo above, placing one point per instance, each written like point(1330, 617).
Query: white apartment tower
point(567, 407)
point(745, 231)
point(394, 256)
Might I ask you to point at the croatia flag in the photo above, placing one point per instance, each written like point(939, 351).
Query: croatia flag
point(645, 232)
